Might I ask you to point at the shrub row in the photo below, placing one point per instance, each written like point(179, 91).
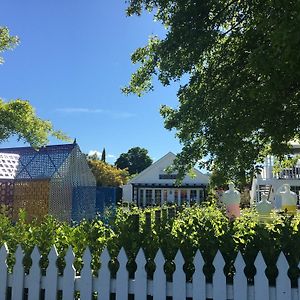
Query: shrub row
point(204, 227)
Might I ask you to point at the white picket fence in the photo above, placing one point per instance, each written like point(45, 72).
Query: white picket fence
point(140, 286)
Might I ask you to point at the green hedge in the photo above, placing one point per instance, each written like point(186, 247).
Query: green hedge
point(205, 228)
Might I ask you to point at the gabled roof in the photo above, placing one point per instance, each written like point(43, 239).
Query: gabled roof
point(42, 163)
point(168, 160)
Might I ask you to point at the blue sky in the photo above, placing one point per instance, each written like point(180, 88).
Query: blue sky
point(73, 59)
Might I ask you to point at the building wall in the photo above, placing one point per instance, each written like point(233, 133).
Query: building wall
point(73, 173)
point(155, 185)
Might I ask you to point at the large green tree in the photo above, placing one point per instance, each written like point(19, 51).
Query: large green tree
point(241, 63)
point(135, 160)
point(18, 117)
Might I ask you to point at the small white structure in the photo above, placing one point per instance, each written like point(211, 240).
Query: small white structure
point(155, 186)
point(270, 182)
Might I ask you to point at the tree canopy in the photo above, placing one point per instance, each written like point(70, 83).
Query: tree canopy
point(241, 61)
point(106, 174)
point(135, 160)
point(18, 117)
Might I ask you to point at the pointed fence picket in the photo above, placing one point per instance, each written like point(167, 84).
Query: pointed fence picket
point(179, 278)
point(103, 281)
point(51, 275)
point(34, 277)
point(86, 280)
point(140, 282)
point(159, 277)
point(18, 275)
point(122, 277)
point(219, 279)
point(69, 276)
point(283, 283)
point(240, 280)
point(199, 284)
point(261, 283)
point(141, 286)
point(3, 271)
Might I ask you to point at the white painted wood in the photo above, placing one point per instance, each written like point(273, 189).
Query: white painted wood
point(159, 277)
point(239, 279)
point(86, 278)
point(51, 275)
point(18, 275)
point(3, 271)
point(102, 285)
point(219, 279)
point(179, 278)
point(140, 281)
point(122, 277)
point(283, 283)
point(69, 276)
point(199, 281)
point(261, 283)
point(140, 286)
point(34, 277)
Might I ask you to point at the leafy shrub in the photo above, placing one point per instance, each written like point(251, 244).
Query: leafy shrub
point(204, 227)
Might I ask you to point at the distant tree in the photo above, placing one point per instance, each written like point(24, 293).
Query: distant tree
point(106, 174)
point(135, 160)
point(103, 155)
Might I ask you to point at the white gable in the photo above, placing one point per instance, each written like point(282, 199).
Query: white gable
point(156, 173)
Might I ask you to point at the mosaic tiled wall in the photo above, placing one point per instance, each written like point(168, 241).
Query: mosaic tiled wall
point(33, 197)
point(7, 196)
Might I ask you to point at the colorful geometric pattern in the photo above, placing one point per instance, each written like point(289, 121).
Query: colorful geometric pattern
point(43, 181)
point(8, 165)
point(7, 197)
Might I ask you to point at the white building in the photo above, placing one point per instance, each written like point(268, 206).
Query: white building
point(155, 186)
point(269, 181)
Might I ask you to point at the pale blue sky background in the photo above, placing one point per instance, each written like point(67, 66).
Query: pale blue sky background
point(73, 59)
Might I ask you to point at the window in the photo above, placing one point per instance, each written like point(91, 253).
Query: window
point(167, 176)
point(193, 195)
point(201, 195)
point(148, 197)
point(141, 197)
point(165, 196)
point(183, 194)
point(157, 197)
point(176, 197)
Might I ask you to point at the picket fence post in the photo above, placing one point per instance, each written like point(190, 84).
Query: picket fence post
point(51, 275)
point(122, 277)
point(199, 281)
point(86, 276)
point(69, 276)
point(18, 275)
point(34, 277)
point(159, 277)
point(179, 278)
point(103, 280)
point(219, 279)
point(239, 279)
point(3, 269)
point(283, 283)
point(261, 283)
point(140, 281)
